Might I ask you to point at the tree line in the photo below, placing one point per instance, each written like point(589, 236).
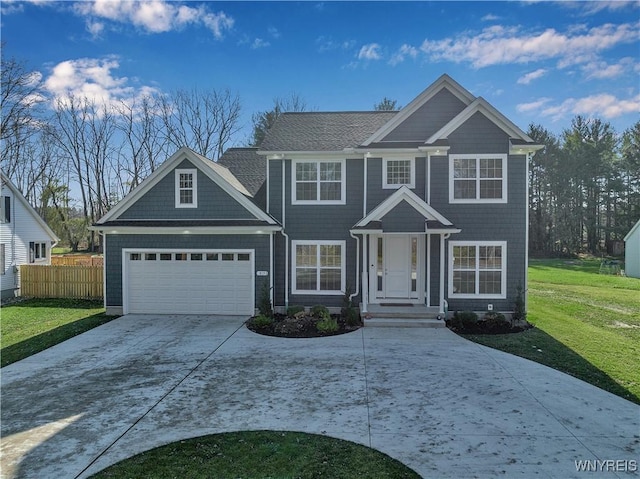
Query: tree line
point(74, 158)
point(584, 188)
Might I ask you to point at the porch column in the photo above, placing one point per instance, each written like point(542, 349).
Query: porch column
point(365, 275)
point(442, 266)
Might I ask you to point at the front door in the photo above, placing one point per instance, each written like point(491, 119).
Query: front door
point(395, 269)
point(397, 266)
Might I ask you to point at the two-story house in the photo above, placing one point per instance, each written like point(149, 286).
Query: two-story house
point(425, 206)
point(25, 238)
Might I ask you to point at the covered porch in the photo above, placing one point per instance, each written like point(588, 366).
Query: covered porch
point(403, 257)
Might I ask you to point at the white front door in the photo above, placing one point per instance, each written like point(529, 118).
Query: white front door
point(397, 266)
point(396, 270)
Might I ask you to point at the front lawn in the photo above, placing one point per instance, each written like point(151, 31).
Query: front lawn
point(586, 324)
point(31, 326)
point(260, 454)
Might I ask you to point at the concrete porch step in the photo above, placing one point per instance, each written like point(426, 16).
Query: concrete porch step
point(403, 323)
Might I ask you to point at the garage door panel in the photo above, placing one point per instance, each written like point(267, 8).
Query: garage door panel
point(211, 282)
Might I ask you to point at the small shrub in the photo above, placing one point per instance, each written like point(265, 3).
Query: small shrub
point(320, 311)
point(349, 312)
point(493, 323)
point(327, 325)
point(264, 305)
point(294, 309)
point(519, 311)
point(262, 321)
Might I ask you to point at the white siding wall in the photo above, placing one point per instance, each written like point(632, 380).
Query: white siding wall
point(632, 254)
point(16, 236)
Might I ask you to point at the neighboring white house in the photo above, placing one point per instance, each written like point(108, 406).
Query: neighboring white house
point(24, 237)
point(632, 252)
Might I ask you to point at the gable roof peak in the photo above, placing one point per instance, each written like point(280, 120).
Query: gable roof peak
point(443, 82)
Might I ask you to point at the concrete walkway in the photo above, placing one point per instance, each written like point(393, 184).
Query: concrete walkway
point(442, 405)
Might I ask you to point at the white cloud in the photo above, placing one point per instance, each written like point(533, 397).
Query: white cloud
point(259, 43)
point(603, 70)
point(370, 51)
point(497, 45)
point(490, 18)
point(154, 16)
point(603, 105)
point(532, 106)
point(94, 80)
point(274, 32)
point(404, 51)
point(326, 44)
point(591, 8)
point(529, 77)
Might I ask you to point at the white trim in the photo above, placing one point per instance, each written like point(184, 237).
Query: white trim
point(427, 275)
point(20, 197)
point(317, 291)
point(632, 231)
point(394, 186)
point(478, 157)
point(209, 168)
point(196, 230)
point(318, 201)
point(127, 251)
point(444, 81)
point(403, 194)
point(503, 270)
point(194, 187)
point(482, 106)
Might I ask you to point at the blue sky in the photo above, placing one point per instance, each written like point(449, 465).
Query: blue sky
point(540, 62)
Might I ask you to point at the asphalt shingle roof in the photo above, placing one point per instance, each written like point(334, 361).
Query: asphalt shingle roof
point(247, 166)
point(323, 131)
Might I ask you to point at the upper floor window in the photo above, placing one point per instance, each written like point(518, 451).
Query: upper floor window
point(318, 182)
point(186, 188)
point(5, 214)
point(397, 172)
point(478, 178)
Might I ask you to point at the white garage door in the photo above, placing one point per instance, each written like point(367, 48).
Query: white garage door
point(189, 282)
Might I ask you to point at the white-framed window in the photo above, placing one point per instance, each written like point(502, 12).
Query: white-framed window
point(318, 181)
point(478, 178)
point(37, 251)
point(478, 269)
point(318, 267)
point(5, 206)
point(186, 188)
point(397, 172)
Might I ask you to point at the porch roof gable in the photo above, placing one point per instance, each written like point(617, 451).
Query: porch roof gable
point(434, 221)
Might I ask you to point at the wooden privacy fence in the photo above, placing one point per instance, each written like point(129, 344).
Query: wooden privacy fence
point(77, 260)
point(40, 281)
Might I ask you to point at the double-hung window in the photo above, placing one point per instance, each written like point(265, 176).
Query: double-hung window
point(318, 182)
point(478, 178)
point(477, 269)
point(318, 267)
point(397, 172)
point(186, 188)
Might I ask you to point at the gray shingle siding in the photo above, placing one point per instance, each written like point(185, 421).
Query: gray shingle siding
point(159, 201)
point(428, 119)
point(403, 218)
point(115, 243)
point(485, 222)
point(376, 194)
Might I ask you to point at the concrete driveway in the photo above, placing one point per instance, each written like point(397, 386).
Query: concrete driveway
point(442, 405)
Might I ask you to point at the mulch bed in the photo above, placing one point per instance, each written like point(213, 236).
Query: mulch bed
point(300, 326)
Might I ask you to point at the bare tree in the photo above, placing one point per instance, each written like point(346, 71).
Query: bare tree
point(20, 100)
point(204, 121)
point(264, 120)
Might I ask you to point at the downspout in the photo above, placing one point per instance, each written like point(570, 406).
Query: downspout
point(365, 186)
point(286, 238)
point(525, 286)
point(271, 266)
point(355, 292)
point(427, 185)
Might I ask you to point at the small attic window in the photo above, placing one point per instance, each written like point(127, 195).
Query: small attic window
point(186, 188)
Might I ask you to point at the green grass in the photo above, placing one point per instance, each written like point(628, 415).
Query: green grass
point(260, 454)
point(34, 325)
point(586, 324)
